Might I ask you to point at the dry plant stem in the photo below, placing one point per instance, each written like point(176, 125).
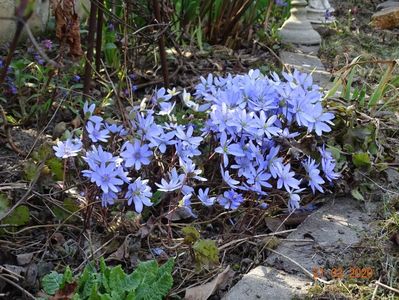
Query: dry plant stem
point(99, 37)
point(8, 134)
point(18, 287)
point(268, 11)
point(387, 287)
point(90, 48)
point(161, 43)
point(375, 289)
point(254, 237)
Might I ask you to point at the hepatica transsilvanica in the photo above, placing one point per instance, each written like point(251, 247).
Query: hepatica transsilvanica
point(250, 126)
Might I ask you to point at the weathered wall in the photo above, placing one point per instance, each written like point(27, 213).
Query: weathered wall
point(37, 22)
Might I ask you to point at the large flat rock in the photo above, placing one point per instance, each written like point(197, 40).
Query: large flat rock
point(264, 283)
point(335, 229)
point(307, 63)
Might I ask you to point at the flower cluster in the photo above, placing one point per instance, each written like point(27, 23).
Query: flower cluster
point(251, 131)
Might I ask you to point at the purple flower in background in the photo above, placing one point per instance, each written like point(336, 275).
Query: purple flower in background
point(69, 148)
point(39, 59)
point(47, 44)
point(76, 78)
point(327, 15)
point(231, 200)
point(140, 193)
point(136, 154)
point(280, 2)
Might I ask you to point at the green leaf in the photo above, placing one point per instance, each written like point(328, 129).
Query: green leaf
point(51, 283)
point(4, 204)
point(67, 277)
point(191, 235)
point(20, 216)
point(361, 160)
point(56, 167)
point(377, 94)
point(31, 170)
point(206, 253)
point(357, 195)
point(154, 282)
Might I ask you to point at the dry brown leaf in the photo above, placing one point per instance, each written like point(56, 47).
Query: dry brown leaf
point(67, 28)
point(66, 293)
point(203, 292)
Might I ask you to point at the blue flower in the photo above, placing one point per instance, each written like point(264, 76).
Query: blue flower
point(314, 178)
point(294, 199)
point(108, 198)
point(162, 141)
point(71, 147)
point(187, 138)
point(328, 164)
point(227, 178)
point(105, 176)
point(136, 154)
point(231, 200)
point(96, 133)
point(226, 148)
point(204, 197)
point(140, 193)
point(175, 182)
point(265, 126)
point(286, 178)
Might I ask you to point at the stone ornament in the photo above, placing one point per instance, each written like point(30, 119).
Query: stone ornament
point(319, 12)
point(297, 28)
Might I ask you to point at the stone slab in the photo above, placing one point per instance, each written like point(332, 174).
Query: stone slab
point(388, 4)
point(334, 228)
point(264, 283)
point(307, 63)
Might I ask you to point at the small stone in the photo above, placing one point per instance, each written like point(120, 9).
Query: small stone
point(340, 231)
point(59, 129)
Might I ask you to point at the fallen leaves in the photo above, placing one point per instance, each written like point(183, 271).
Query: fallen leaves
point(203, 292)
point(67, 25)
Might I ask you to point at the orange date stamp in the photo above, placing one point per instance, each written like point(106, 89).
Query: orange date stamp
point(342, 273)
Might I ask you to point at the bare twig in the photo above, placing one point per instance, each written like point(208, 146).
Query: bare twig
point(161, 42)
point(90, 48)
point(387, 287)
point(308, 273)
point(18, 287)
